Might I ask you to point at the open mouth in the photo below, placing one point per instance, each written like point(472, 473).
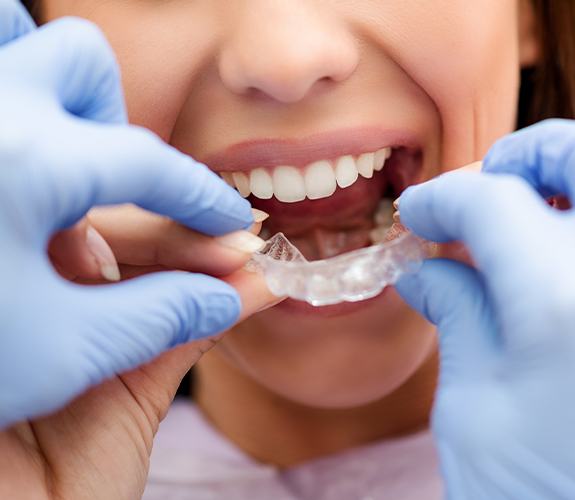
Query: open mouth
point(330, 194)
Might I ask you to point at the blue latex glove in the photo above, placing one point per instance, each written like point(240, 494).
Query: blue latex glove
point(64, 147)
point(504, 417)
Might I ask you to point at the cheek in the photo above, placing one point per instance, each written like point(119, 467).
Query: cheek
point(158, 69)
point(477, 100)
point(464, 55)
point(158, 65)
point(340, 362)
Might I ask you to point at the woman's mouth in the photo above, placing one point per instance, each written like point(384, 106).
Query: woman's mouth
point(320, 179)
point(326, 193)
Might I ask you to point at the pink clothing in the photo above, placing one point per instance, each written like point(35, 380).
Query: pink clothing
point(192, 461)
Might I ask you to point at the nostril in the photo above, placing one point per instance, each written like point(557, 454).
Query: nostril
point(286, 93)
point(286, 64)
point(287, 85)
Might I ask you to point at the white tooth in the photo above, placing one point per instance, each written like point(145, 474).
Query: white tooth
point(289, 186)
point(380, 157)
point(242, 183)
point(227, 176)
point(365, 164)
point(319, 180)
point(346, 171)
point(378, 234)
point(384, 213)
point(261, 184)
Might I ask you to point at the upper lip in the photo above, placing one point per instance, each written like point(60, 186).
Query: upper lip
point(268, 153)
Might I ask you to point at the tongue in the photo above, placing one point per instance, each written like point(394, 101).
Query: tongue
point(328, 226)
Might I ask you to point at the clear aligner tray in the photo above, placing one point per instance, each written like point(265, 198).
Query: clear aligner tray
point(350, 277)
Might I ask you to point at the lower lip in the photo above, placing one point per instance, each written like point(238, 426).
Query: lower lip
point(304, 309)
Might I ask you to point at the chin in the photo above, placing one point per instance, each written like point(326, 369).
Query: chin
point(341, 361)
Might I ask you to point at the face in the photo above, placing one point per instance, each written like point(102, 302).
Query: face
point(268, 84)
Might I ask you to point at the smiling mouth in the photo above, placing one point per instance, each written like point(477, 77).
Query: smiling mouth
point(320, 179)
point(328, 194)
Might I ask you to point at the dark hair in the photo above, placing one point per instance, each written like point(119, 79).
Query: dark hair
point(548, 89)
point(33, 7)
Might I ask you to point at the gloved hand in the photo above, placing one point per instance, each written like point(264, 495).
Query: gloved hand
point(505, 412)
point(65, 147)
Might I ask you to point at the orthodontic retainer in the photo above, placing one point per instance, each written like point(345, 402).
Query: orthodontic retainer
point(350, 277)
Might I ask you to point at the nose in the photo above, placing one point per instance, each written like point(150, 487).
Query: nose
point(283, 48)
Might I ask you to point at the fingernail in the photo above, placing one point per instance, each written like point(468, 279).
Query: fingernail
point(259, 215)
point(396, 203)
point(244, 241)
point(396, 216)
point(271, 304)
point(103, 254)
point(473, 167)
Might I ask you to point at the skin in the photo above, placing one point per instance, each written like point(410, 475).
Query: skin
point(447, 70)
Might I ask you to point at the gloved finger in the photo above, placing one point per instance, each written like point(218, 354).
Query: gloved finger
point(141, 238)
point(459, 206)
point(498, 218)
point(168, 369)
point(70, 60)
point(14, 21)
point(543, 155)
point(252, 288)
point(131, 165)
point(82, 252)
point(452, 296)
point(132, 322)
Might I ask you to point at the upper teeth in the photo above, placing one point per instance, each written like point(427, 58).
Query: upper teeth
point(317, 180)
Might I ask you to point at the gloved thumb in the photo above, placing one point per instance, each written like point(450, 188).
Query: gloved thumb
point(14, 21)
point(452, 296)
point(131, 323)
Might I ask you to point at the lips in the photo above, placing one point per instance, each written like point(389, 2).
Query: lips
point(317, 180)
point(268, 153)
point(323, 212)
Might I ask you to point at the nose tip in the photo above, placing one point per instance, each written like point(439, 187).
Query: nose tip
point(285, 61)
point(286, 77)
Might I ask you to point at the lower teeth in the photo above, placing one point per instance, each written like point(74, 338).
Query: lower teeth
point(335, 242)
point(382, 219)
